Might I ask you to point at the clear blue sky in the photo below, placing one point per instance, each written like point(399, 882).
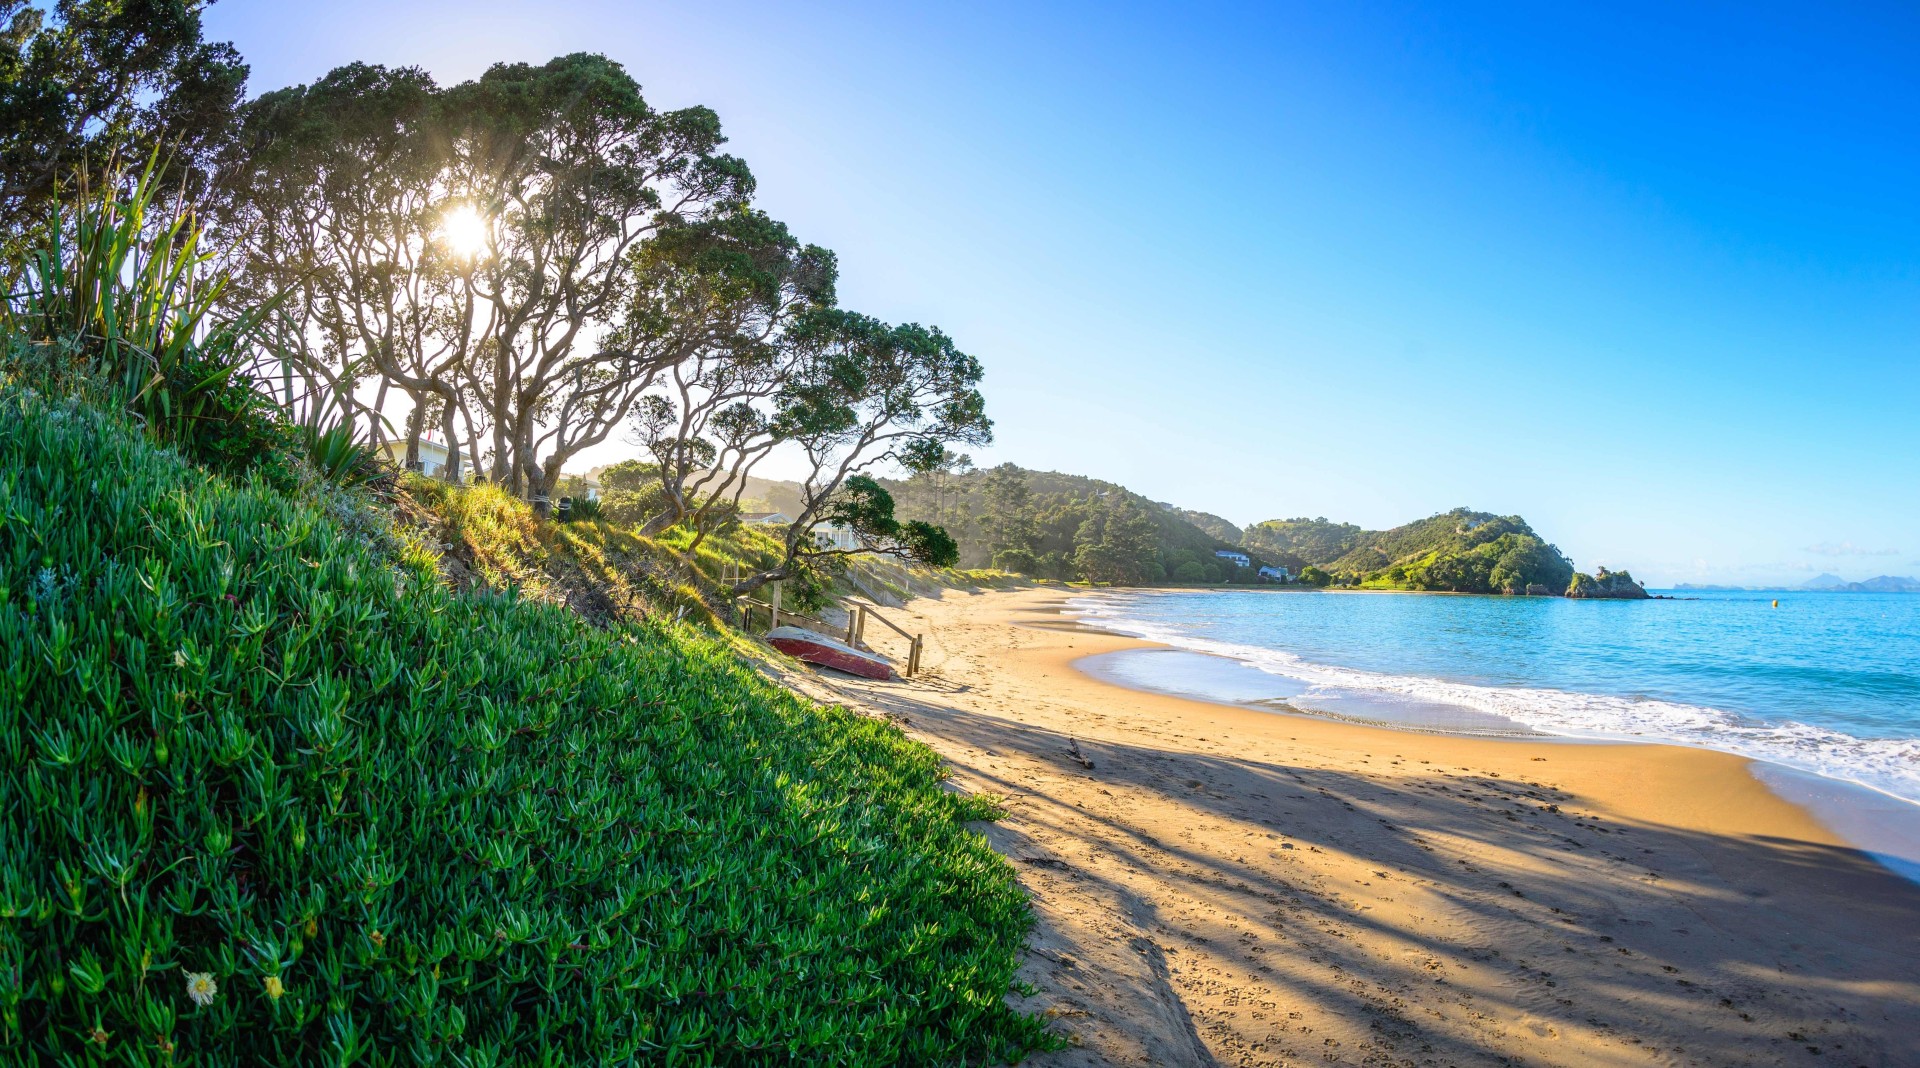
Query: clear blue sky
point(1650, 279)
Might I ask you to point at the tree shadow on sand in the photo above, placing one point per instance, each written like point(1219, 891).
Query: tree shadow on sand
point(1268, 916)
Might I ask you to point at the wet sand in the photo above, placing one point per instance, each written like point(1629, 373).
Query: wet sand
point(1230, 886)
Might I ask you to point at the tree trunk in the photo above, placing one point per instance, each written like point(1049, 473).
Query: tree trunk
point(751, 583)
point(452, 472)
point(416, 422)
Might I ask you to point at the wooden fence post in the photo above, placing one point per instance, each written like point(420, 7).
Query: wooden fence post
point(776, 607)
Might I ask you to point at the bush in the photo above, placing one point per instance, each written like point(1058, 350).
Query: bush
point(121, 298)
point(1191, 571)
point(276, 796)
point(584, 510)
point(631, 507)
point(1018, 561)
point(339, 456)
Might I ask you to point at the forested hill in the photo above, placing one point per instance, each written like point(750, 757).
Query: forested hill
point(1212, 524)
point(1299, 542)
point(1053, 525)
point(1461, 550)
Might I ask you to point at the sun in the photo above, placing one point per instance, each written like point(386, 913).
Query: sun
point(464, 231)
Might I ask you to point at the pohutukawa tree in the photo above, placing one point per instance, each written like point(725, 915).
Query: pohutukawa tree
point(866, 395)
point(473, 247)
point(575, 173)
point(719, 293)
point(82, 81)
point(335, 196)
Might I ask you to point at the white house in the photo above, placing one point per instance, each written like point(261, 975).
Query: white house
point(433, 455)
point(1238, 559)
point(835, 536)
point(1276, 574)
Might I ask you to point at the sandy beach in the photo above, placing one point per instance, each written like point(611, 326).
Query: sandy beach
point(1232, 886)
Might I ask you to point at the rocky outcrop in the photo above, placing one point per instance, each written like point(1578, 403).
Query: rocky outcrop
point(1615, 584)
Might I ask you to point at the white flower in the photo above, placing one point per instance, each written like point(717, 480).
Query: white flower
point(179, 658)
point(201, 988)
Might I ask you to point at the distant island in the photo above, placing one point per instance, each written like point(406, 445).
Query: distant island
point(1820, 584)
point(1460, 551)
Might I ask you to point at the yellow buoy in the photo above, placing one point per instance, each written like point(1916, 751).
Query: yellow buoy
point(1776, 602)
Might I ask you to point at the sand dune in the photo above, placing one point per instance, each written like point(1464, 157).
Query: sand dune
point(1226, 886)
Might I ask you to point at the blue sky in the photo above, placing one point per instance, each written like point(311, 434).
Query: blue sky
point(1649, 277)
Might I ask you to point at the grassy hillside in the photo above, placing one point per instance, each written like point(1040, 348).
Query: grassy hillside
point(258, 751)
point(608, 572)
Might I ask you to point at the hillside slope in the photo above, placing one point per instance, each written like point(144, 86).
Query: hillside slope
point(1300, 542)
point(1055, 525)
point(1212, 525)
point(1461, 551)
point(257, 752)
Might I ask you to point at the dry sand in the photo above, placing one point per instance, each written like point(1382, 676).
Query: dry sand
point(1230, 886)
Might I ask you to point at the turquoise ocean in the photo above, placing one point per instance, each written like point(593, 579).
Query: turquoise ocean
point(1824, 688)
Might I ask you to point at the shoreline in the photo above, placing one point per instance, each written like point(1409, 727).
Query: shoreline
point(1230, 885)
point(1872, 819)
point(1841, 786)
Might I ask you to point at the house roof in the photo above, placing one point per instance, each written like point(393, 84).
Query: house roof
point(762, 517)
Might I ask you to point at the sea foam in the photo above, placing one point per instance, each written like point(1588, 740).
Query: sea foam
point(1887, 765)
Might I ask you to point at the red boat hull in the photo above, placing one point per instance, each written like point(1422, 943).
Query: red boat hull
point(827, 652)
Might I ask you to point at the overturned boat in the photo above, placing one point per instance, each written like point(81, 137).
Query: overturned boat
point(816, 648)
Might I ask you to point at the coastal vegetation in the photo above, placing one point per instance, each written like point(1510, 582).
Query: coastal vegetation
point(1059, 526)
point(251, 736)
point(1050, 525)
point(308, 760)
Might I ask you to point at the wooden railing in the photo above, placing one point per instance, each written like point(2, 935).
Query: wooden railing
point(855, 631)
point(776, 614)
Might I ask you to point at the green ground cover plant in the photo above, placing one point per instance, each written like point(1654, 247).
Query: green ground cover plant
point(274, 794)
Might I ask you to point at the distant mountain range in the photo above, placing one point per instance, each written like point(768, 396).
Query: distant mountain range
point(1880, 584)
point(1820, 584)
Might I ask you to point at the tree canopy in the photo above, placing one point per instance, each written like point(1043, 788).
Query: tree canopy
point(533, 261)
point(82, 81)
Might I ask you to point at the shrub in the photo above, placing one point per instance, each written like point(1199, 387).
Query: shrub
point(339, 456)
point(584, 510)
point(277, 797)
point(631, 507)
point(123, 297)
point(1018, 561)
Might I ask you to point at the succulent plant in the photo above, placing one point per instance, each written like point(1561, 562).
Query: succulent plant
point(270, 793)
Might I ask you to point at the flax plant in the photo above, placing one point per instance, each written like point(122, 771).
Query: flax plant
point(122, 294)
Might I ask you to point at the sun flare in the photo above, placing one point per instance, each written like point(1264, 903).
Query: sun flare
point(464, 231)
